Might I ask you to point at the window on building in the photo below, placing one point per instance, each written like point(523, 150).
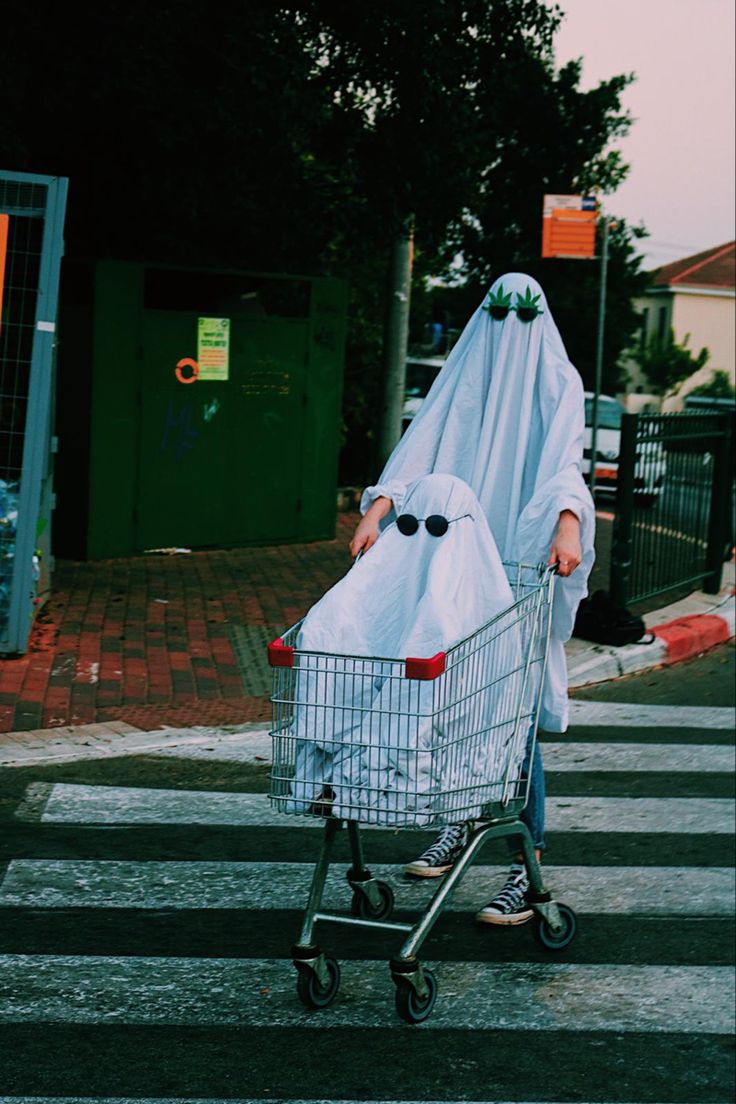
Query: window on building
point(644, 325)
point(662, 325)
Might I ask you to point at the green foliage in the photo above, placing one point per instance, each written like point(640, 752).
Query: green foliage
point(572, 291)
point(666, 364)
point(556, 141)
point(719, 386)
point(297, 137)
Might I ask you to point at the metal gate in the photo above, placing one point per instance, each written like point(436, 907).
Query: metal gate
point(31, 245)
point(674, 504)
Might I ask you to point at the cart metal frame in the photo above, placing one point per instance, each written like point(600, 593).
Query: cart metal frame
point(554, 924)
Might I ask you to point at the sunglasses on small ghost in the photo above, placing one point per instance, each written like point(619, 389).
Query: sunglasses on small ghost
point(436, 525)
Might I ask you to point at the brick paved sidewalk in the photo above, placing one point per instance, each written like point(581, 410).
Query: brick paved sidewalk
point(168, 640)
point(154, 639)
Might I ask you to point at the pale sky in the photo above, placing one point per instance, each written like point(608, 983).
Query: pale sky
point(681, 145)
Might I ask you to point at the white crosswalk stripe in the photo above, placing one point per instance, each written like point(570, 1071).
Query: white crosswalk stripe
point(638, 757)
point(129, 986)
point(624, 715)
point(49, 883)
point(260, 993)
point(242, 1100)
point(75, 804)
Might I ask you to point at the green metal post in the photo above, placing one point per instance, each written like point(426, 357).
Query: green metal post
point(621, 551)
point(720, 507)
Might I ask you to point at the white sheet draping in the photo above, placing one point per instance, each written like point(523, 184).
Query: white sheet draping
point(373, 739)
point(506, 414)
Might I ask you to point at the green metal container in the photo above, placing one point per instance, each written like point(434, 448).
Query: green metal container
point(213, 413)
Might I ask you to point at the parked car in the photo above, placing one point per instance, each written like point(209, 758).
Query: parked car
point(421, 372)
point(650, 467)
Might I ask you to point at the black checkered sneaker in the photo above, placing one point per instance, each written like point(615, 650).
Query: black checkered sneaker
point(509, 906)
point(443, 853)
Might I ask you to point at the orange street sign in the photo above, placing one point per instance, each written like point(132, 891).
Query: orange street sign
point(568, 227)
point(4, 223)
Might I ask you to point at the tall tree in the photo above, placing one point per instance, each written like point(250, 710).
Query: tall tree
point(299, 135)
point(557, 141)
point(666, 363)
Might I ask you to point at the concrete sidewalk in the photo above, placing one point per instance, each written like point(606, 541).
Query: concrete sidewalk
point(681, 630)
point(179, 641)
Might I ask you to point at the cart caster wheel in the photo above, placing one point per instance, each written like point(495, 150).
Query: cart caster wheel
point(311, 993)
point(408, 1005)
point(363, 908)
point(556, 941)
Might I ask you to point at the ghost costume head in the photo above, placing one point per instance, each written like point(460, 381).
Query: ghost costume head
point(507, 415)
point(433, 578)
point(416, 593)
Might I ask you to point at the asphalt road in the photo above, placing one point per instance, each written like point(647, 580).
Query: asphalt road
point(148, 905)
point(706, 680)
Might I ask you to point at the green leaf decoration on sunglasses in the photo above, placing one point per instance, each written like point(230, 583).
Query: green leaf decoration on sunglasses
point(499, 299)
point(528, 303)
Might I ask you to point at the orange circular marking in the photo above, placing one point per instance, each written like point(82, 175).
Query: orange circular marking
point(187, 362)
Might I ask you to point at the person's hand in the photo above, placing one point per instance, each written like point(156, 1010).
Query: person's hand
point(365, 535)
point(368, 530)
point(566, 550)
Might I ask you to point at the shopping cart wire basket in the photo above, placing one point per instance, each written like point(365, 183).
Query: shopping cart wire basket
point(413, 742)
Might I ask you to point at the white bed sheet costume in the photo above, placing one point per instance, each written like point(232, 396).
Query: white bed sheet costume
point(371, 744)
point(506, 414)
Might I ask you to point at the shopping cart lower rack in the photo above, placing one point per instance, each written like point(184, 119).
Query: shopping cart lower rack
point(410, 743)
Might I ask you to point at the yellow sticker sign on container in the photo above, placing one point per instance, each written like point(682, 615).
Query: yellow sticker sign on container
point(213, 349)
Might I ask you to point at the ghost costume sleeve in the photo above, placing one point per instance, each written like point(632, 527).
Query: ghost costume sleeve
point(394, 489)
point(559, 485)
point(506, 415)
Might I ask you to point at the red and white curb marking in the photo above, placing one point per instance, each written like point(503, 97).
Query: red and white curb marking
point(675, 639)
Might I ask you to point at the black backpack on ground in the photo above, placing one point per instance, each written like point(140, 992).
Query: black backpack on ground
point(599, 620)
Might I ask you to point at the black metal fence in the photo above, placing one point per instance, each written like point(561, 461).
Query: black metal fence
point(674, 504)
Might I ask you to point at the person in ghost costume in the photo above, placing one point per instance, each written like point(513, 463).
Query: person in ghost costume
point(506, 415)
point(376, 748)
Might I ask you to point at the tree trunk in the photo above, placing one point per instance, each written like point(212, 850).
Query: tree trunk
point(396, 338)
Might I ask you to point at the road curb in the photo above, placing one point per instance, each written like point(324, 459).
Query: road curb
point(676, 638)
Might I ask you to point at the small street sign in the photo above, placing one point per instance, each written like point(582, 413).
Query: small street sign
point(568, 227)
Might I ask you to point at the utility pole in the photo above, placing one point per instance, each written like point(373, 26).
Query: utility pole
point(599, 354)
point(569, 232)
point(396, 339)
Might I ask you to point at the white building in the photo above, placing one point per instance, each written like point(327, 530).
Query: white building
point(694, 296)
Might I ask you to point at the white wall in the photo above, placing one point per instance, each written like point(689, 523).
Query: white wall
point(710, 319)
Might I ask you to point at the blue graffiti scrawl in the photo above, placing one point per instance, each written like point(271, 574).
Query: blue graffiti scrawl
point(210, 409)
point(178, 432)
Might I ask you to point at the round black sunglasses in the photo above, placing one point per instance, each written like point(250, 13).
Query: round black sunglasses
point(436, 525)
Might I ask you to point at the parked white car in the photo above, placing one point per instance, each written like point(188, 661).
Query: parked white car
point(421, 372)
point(650, 467)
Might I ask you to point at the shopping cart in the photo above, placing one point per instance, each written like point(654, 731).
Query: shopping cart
point(407, 743)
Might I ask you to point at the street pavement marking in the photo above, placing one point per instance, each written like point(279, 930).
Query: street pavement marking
point(251, 743)
point(255, 749)
point(637, 715)
point(77, 804)
point(56, 883)
point(260, 993)
point(703, 758)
